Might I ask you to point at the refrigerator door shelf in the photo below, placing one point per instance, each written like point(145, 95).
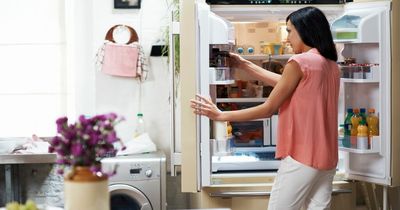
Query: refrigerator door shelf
point(360, 74)
point(359, 80)
point(357, 26)
point(375, 147)
point(221, 76)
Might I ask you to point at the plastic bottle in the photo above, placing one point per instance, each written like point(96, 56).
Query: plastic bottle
point(347, 128)
point(363, 115)
point(362, 135)
point(372, 121)
point(229, 130)
point(341, 135)
point(355, 121)
point(140, 125)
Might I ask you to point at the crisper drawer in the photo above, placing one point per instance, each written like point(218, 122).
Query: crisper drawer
point(256, 133)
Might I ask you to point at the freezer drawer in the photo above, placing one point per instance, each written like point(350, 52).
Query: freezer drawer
point(257, 197)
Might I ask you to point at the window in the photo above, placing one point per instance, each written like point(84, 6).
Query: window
point(33, 76)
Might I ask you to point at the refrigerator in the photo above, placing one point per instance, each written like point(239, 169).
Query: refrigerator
point(367, 31)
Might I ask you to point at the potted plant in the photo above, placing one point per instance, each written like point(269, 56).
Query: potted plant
point(80, 147)
point(174, 8)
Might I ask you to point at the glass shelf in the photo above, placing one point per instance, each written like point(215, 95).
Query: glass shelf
point(360, 74)
point(375, 147)
point(239, 100)
point(266, 57)
point(359, 80)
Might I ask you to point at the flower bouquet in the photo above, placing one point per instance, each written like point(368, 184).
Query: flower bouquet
point(81, 145)
point(86, 141)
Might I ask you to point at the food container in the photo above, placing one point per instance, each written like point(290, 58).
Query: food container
point(267, 48)
point(222, 59)
point(360, 71)
point(221, 147)
point(221, 76)
point(277, 49)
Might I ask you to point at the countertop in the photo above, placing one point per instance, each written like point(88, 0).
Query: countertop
point(27, 158)
point(41, 207)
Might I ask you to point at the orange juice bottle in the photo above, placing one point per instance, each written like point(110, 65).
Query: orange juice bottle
point(229, 130)
point(355, 120)
point(372, 121)
point(362, 135)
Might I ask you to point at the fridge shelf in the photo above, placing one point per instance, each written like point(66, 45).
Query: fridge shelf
point(221, 76)
point(359, 80)
point(240, 100)
point(266, 57)
point(375, 147)
point(357, 27)
point(360, 73)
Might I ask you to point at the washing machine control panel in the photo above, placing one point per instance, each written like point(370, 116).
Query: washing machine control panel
point(135, 170)
point(148, 173)
point(132, 170)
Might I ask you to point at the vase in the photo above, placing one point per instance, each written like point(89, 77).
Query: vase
point(84, 190)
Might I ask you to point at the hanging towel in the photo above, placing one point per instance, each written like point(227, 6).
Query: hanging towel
point(124, 60)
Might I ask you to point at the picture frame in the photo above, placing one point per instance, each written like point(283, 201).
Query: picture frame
point(127, 4)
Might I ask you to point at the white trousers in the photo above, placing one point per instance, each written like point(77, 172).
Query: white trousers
point(299, 186)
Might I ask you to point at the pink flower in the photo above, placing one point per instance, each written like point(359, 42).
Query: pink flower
point(86, 141)
point(76, 149)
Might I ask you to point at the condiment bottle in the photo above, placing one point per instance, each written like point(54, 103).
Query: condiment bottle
point(362, 135)
point(355, 120)
point(347, 128)
point(140, 125)
point(372, 121)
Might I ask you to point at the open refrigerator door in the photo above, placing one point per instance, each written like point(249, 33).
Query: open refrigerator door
point(363, 34)
point(199, 28)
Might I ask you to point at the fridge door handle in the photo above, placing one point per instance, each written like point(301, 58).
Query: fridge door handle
point(232, 194)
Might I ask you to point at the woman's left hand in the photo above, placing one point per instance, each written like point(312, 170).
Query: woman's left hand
point(204, 106)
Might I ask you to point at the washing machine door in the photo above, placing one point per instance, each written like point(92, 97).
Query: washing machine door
point(126, 197)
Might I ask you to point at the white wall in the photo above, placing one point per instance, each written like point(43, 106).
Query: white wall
point(122, 95)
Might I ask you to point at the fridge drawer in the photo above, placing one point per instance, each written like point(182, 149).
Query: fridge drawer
point(256, 133)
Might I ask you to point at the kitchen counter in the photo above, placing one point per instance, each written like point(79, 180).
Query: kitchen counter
point(11, 162)
point(27, 158)
point(41, 207)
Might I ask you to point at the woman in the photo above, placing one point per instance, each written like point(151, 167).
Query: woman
point(306, 95)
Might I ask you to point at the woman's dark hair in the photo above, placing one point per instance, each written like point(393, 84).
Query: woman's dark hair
point(314, 30)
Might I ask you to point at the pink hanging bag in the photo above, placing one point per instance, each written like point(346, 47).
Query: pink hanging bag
point(120, 59)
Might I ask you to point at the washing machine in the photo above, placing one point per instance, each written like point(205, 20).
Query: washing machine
point(139, 182)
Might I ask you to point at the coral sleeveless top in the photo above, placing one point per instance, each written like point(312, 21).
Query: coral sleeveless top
point(308, 120)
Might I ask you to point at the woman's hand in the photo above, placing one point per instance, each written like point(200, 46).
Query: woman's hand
point(236, 61)
point(204, 106)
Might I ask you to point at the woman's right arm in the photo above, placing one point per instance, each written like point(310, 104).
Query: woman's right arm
point(284, 89)
point(267, 77)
